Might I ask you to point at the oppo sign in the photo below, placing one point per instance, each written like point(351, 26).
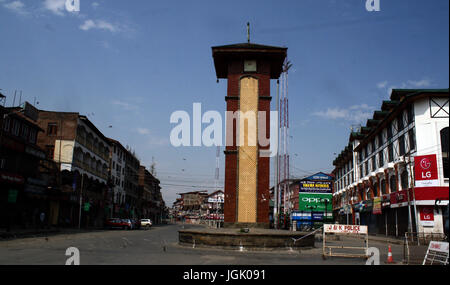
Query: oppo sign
point(315, 200)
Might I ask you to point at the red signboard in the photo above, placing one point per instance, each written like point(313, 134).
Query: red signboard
point(427, 216)
point(427, 213)
point(425, 170)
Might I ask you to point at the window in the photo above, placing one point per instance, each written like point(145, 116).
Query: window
point(25, 131)
point(366, 168)
point(375, 189)
point(391, 153)
point(52, 129)
point(380, 159)
point(32, 136)
point(50, 150)
point(412, 140)
point(400, 122)
point(410, 114)
point(444, 147)
point(389, 131)
point(401, 145)
point(15, 127)
point(404, 179)
point(383, 187)
point(380, 139)
point(6, 124)
point(374, 163)
point(392, 183)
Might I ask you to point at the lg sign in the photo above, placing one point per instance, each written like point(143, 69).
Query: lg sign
point(426, 173)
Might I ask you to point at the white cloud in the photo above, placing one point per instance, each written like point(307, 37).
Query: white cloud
point(143, 131)
point(420, 83)
point(409, 84)
point(16, 6)
point(355, 113)
point(95, 4)
point(125, 105)
point(55, 6)
point(382, 85)
point(98, 24)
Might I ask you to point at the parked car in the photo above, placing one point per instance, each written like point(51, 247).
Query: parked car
point(146, 223)
point(114, 223)
point(127, 224)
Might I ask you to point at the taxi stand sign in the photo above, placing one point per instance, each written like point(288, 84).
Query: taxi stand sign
point(354, 230)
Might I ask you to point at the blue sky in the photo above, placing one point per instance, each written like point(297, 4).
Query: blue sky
point(130, 64)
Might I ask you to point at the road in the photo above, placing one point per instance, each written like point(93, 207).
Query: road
point(159, 246)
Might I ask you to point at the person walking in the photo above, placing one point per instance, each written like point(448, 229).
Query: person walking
point(42, 219)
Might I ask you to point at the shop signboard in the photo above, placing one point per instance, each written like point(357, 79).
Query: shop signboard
point(311, 202)
point(427, 216)
point(425, 171)
point(307, 186)
point(376, 206)
point(301, 216)
point(12, 196)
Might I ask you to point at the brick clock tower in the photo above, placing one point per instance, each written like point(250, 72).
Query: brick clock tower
point(248, 68)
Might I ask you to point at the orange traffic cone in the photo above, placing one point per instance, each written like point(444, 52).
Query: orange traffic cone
point(390, 259)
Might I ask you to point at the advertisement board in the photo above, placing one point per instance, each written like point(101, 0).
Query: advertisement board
point(311, 202)
point(427, 216)
point(376, 206)
point(307, 186)
point(425, 171)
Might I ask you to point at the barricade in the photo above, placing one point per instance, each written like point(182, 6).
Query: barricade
point(415, 246)
point(437, 254)
point(345, 230)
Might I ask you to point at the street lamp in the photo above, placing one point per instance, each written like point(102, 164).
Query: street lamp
point(324, 200)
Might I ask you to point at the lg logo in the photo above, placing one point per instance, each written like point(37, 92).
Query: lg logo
point(425, 163)
point(373, 5)
point(73, 5)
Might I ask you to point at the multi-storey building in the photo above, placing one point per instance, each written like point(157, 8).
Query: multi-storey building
point(151, 203)
point(26, 190)
point(376, 181)
point(117, 176)
point(131, 184)
point(82, 154)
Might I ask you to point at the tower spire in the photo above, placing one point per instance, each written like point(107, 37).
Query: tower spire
point(248, 32)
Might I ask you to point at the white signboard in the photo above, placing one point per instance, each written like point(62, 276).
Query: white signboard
point(438, 246)
point(345, 229)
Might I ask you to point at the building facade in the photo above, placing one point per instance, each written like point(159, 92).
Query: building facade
point(117, 177)
point(81, 152)
point(27, 188)
point(376, 174)
point(151, 203)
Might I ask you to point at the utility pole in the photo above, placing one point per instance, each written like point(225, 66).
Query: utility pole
point(81, 192)
point(275, 189)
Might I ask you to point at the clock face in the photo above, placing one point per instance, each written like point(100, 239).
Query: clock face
point(250, 66)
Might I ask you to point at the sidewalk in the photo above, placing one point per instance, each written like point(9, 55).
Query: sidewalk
point(386, 239)
point(24, 233)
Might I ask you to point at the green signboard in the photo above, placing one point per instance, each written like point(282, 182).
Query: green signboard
point(86, 206)
point(311, 202)
point(12, 196)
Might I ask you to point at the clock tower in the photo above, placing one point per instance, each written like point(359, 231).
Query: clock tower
point(248, 68)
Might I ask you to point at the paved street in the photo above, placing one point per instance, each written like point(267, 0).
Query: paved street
point(159, 246)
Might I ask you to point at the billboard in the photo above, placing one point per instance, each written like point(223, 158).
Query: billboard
point(307, 186)
point(312, 202)
point(425, 171)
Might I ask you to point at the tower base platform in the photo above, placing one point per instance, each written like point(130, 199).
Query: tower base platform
point(254, 239)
